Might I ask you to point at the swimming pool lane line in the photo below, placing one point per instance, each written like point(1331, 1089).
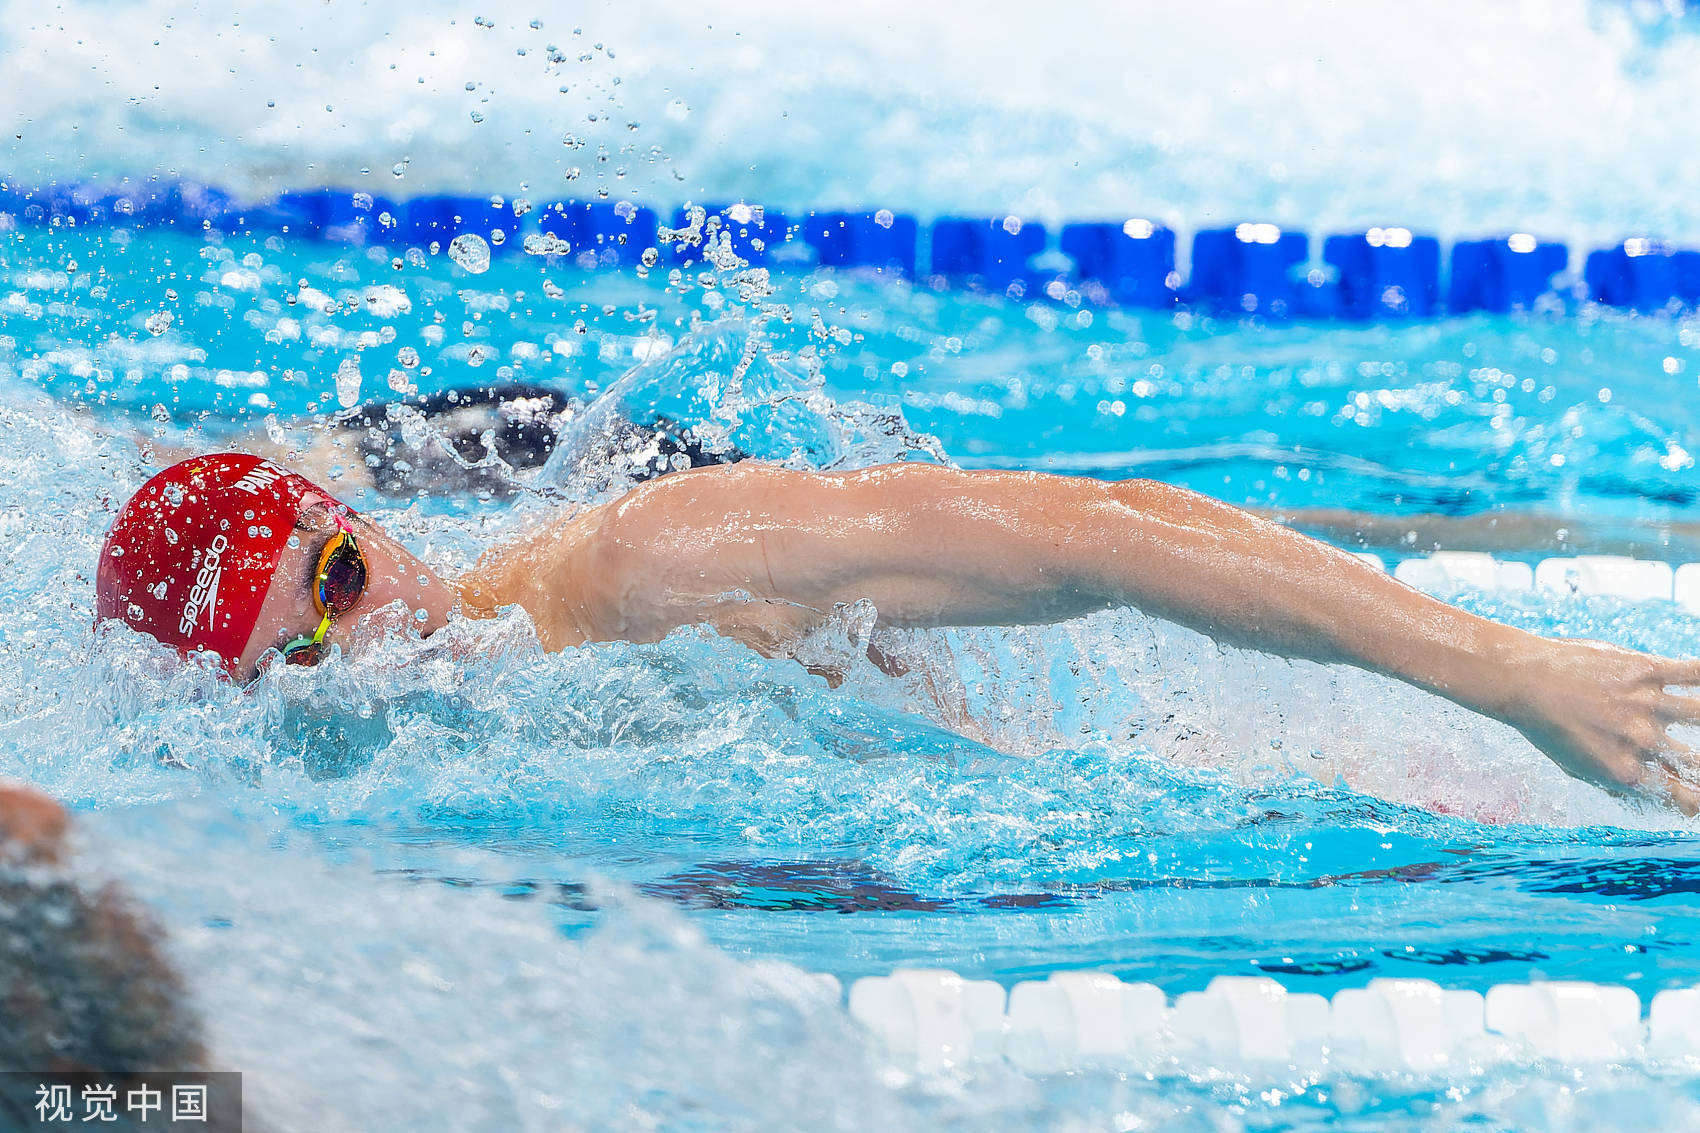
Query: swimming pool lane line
point(1380, 273)
point(1639, 580)
point(933, 1020)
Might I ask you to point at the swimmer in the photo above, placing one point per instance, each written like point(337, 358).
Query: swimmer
point(82, 984)
point(462, 443)
point(481, 441)
point(238, 557)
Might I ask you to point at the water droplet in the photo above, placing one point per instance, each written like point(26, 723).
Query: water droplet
point(471, 252)
point(159, 322)
point(545, 244)
point(348, 383)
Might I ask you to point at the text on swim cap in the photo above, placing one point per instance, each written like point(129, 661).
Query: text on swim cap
point(204, 594)
point(259, 477)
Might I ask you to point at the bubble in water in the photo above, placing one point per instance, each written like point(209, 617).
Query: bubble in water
point(650, 257)
point(471, 252)
point(408, 357)
point(159, 322)
point(498, 237)
point(174, 495)
point(161, 414)
point(883, 218)
point(399, 169)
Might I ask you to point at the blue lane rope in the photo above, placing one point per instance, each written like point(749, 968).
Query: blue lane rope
point(1387, 273)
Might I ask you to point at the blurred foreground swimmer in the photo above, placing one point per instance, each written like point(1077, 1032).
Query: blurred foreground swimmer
point(240, 557)
point(82, 984)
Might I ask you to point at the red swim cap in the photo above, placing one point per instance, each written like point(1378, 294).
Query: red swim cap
point(190, 557)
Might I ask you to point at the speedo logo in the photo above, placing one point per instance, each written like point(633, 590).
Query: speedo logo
point(259, 477)
point(204, 594)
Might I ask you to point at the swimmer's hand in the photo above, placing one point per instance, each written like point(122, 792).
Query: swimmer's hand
point(1601, 712)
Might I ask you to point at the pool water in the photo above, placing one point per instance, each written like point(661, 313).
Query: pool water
point(598, 889)
point(598, 880)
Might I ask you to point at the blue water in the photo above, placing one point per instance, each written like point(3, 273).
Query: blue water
point(595, 878)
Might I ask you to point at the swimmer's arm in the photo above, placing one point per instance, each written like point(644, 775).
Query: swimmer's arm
point(933, 546)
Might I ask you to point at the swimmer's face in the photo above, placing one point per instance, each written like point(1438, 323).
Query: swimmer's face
point(392, 574)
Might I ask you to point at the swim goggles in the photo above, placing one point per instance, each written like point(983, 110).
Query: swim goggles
point(341, 580)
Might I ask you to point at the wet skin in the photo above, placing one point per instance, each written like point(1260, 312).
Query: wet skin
point(762, 554)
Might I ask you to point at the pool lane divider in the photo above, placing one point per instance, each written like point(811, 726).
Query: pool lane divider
point(1637, 580)
point(933, 1020)
point(1249, 269)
